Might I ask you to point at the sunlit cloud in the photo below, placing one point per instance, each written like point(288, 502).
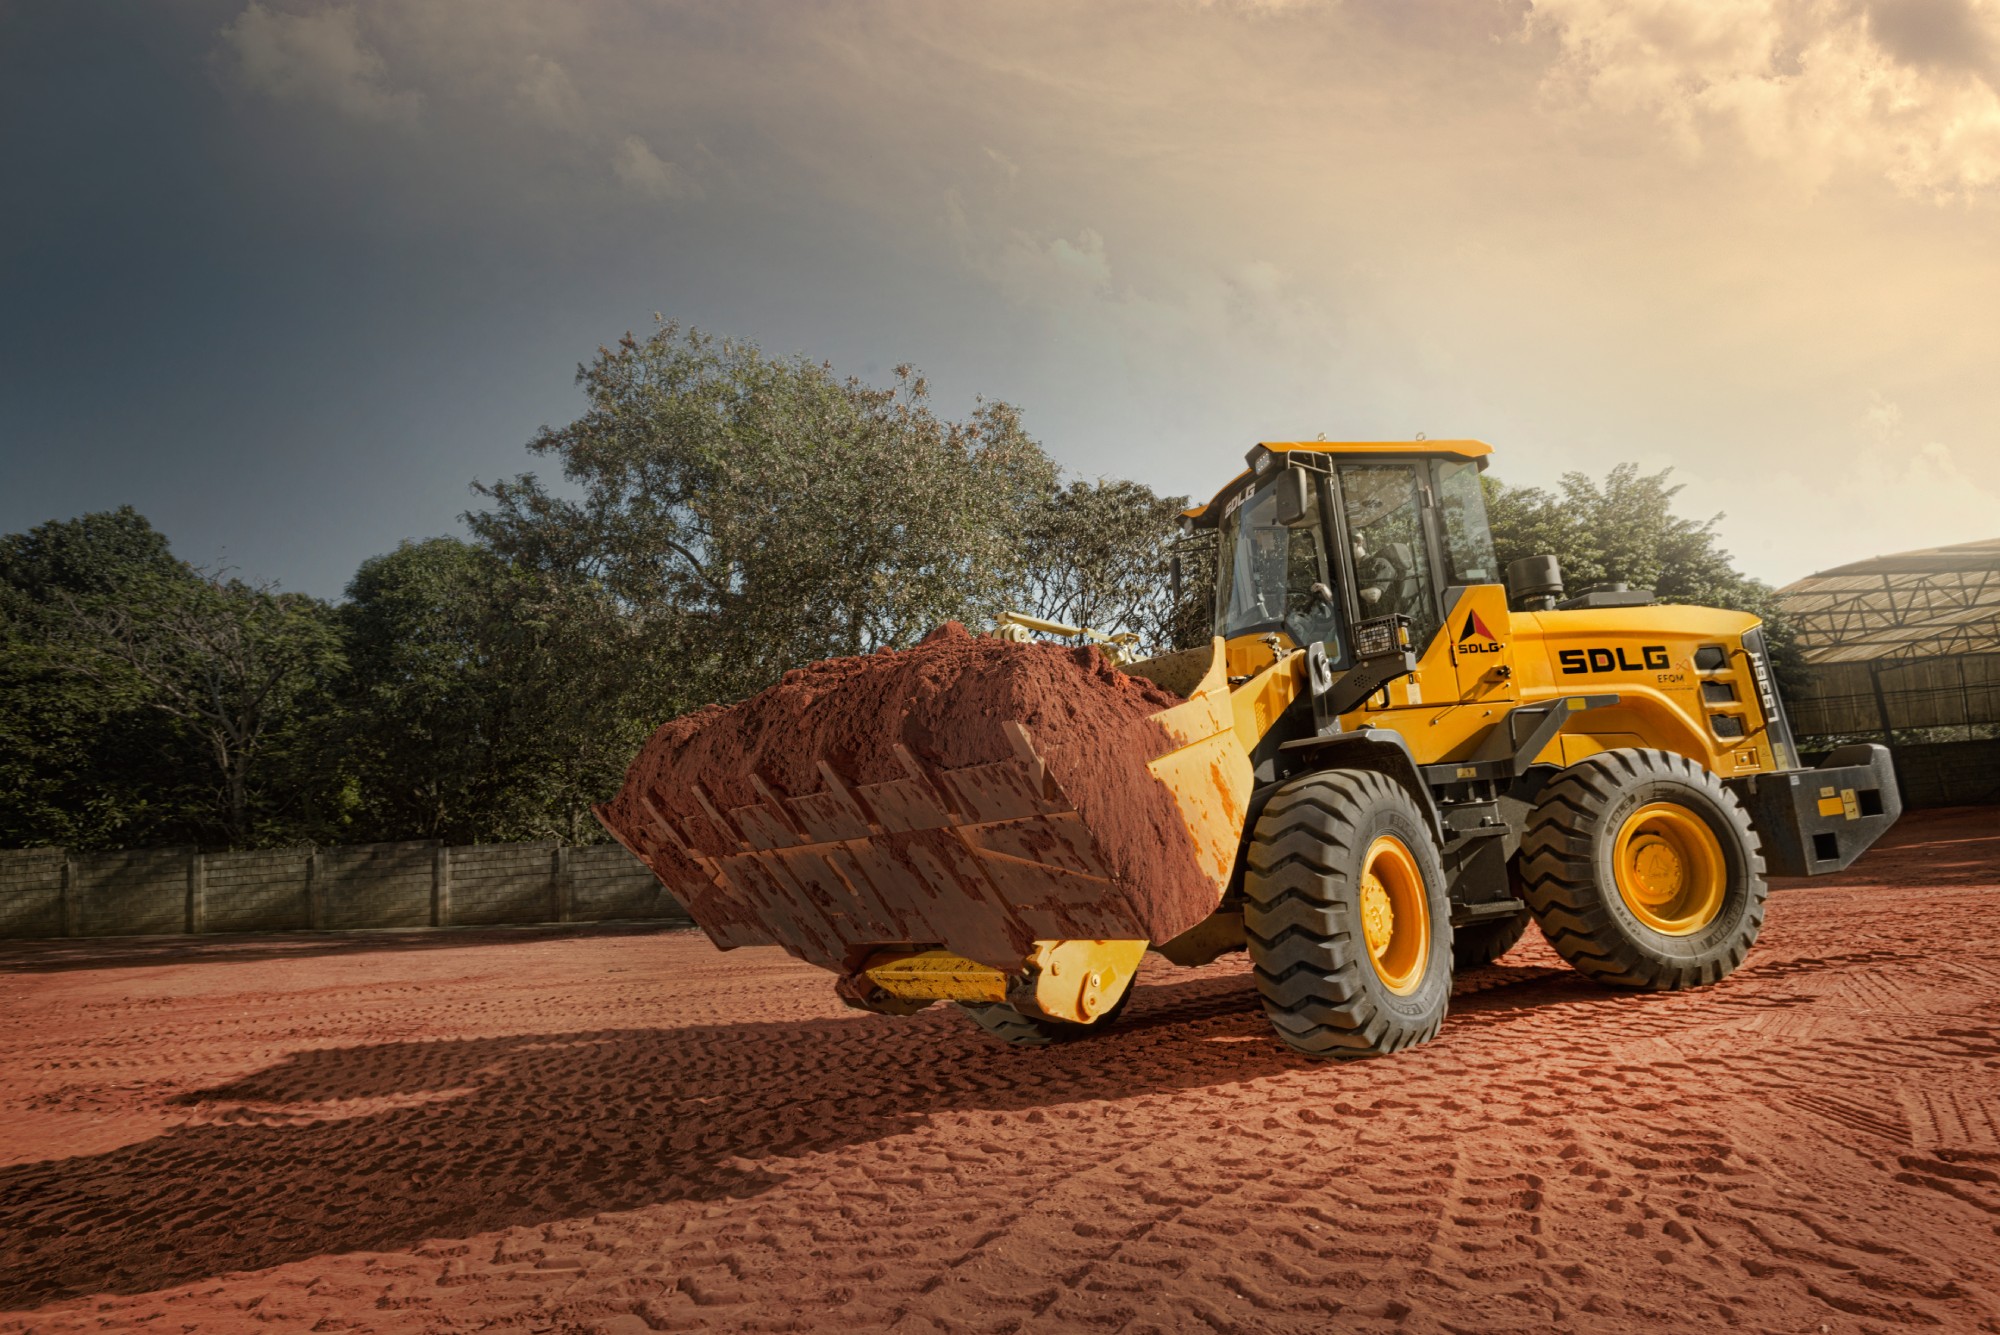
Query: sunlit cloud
point(1900, 88)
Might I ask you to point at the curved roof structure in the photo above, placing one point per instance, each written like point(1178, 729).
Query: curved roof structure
point(1921, 604)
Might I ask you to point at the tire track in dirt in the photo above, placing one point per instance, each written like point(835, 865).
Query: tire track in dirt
point(634, 1133)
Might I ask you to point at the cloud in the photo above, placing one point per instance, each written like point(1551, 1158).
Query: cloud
point(1166, 228)
point(1887, 489)
point(316, 57)
point(1943, 34)
point(548, 94)
point(1899, 88)
point(644, 171)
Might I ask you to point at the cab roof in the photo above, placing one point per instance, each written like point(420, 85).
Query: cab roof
point(1449, 449)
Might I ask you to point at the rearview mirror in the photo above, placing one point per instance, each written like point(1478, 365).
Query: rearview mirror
point(1295, 498)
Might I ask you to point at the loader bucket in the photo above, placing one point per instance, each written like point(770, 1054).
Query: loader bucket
point(968, 795)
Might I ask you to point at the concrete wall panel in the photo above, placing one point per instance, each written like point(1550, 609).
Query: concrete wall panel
point(503, 883)
point(609, 884)
point(31, 893)
point(163, 891)
point(134, 892)
point(261, 891)
point(375, 885)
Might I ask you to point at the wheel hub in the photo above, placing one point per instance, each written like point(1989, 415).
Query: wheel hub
point(1378, 916)
point(1395, 918)
point(1658, 872)
point(1669, 869)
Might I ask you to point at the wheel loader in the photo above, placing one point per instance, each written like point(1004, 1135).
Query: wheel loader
point(1386, 762)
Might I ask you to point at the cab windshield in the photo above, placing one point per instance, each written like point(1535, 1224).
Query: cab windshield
point(1267, 577)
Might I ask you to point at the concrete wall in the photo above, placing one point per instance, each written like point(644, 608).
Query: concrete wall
point(607, 883)
point(31, 893)
point(498, 883)
point(1948, 774)
point(376, 885)
point(1942, 774)
point(134, 892)
point(46, 892)
point(269, 890)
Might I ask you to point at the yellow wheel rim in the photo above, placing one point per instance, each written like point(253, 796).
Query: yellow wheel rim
point(1670, 869)
point(1395, 919)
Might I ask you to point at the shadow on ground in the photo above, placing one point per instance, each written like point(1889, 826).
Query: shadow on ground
point(378, 1147)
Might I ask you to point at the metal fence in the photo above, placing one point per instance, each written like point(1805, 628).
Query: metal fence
point(1851, 699)
point(50, 892)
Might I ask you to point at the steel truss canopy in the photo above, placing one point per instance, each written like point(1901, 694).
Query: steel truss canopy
point(1923, 604)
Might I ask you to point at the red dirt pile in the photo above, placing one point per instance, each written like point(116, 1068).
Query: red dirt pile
point(945, 701)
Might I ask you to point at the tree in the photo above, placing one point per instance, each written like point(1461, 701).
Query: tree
point(243, 669)
point(85, 763)
point(487, 701)
point(582, 689)
point(1187, 621)
point(1624, 529)
point(1097, 554)
point(422, 733)
point(749, 515)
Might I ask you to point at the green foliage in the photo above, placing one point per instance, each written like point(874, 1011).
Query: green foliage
point(85, 763)
point(1188, 621)
point(748, 515)
point(142, 701)
point(245, 671)
point(486, 701)
point(1097, 554)
point(97, 555)
point(420, 715)
point(1625, 529)
point(724, 516)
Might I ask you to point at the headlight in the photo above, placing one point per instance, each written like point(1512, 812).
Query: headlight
point(1382, 636)
point(1260, 459)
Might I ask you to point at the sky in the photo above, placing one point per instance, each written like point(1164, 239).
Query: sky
point(289, 276)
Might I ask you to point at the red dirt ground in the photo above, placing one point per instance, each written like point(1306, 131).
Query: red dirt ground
point(626, 1131)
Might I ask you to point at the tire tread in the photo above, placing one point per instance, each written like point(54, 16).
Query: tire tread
point(1304, 949)
point(1560, 883)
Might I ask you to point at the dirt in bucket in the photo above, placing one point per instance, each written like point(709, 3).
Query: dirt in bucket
point(946, 700)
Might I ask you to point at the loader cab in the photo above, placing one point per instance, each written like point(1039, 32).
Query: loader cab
point(1319, 537)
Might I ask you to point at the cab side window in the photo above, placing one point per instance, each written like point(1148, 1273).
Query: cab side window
point(1385, 529)
point(1468, 539)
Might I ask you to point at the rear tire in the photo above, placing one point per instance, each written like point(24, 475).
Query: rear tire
point(1019, 1029)
point(1644, 871)
point(1480, 943)
point(1345, 916)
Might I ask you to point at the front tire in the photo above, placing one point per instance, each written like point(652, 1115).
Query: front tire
point(1644, 871)
point(1345, 916)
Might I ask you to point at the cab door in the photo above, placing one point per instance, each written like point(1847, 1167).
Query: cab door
point(1389, 559)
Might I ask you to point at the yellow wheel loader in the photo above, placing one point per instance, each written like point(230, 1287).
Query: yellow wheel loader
point(1388, 759)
